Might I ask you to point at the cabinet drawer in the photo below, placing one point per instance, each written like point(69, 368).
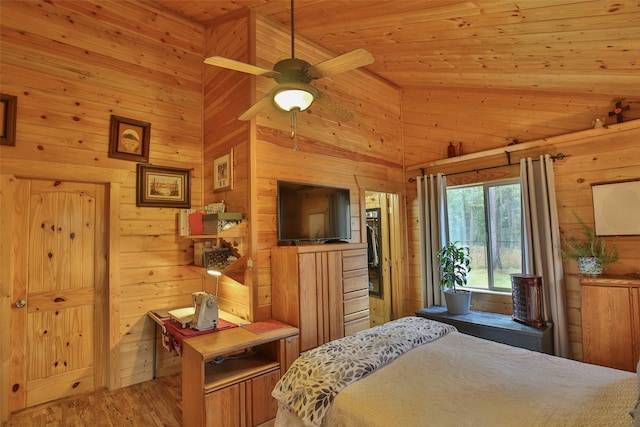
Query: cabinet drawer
point(356, 294)
point(355, 280)
point(356, 326)
point(354, 259)
point(356, 304)
point(356, 316)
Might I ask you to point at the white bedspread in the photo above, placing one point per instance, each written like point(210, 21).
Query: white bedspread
point(317, 376)
point(459, 380)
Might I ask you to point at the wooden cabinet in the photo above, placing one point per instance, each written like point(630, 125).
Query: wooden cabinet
point(321, 289)
point(611, 321)
point(227, 376)
point(246, 403)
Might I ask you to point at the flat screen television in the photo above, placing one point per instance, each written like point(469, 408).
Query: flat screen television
point(308, 212)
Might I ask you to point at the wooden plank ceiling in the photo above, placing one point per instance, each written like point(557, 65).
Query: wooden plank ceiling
point(584, 46)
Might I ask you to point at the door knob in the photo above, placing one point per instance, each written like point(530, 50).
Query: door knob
point(21, 303)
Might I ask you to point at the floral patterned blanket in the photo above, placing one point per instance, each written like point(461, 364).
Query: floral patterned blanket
point(315, 378)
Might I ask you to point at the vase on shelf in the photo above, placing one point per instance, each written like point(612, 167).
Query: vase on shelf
point(589, 266)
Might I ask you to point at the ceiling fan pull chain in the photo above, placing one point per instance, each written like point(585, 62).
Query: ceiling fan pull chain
point(294, 135)
point(293, 53)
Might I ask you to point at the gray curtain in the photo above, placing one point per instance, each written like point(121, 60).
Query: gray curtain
point(541, 244)
point(432, 221)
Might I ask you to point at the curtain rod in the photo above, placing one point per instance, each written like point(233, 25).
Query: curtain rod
point(558, 156)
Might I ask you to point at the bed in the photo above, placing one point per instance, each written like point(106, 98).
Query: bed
point(419, 372)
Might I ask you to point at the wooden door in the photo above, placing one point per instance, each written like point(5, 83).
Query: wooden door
point(333, 293)
point(260, 405)
point(385, 307)
point(394, 306)
point(58, 316)
point(607, 326)
point(225, 407)
point(310, 311)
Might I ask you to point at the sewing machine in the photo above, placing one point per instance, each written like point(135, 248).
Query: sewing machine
point(206, 314)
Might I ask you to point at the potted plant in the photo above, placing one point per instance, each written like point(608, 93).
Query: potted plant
point(590, 251)
point(455, 265)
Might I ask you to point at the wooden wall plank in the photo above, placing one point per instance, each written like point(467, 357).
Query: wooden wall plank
point(72, 65)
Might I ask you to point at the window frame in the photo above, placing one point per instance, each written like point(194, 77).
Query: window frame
point(486, 185)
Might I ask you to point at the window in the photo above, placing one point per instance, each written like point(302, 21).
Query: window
point(487, 218)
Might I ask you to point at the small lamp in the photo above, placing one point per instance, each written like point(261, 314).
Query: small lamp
point(211, 271)
point(294, 96)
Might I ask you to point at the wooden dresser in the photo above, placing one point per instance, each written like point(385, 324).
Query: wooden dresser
point(321, 289)
point(611, 320)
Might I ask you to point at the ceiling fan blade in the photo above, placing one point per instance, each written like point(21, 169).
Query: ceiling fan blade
point(345, 62)
point(256, 108)
point(338, 110)
point(232, 64)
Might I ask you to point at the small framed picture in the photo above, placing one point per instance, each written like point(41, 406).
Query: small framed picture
point(129, 139)
point(223, 172)
point(163, 187)
point(8, 115)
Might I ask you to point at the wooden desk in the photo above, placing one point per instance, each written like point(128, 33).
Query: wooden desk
point(227, 377)
point(161, 316)
point(495, 327)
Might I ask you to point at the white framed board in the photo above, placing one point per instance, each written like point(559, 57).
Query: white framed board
point(616, 208)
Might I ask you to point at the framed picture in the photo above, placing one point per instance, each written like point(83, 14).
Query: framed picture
point(129, 139)
point(8, 114)
point(223, 172)
point(163, 187)
point(615, 208)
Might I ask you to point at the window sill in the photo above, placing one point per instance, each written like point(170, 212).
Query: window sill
point(488, 291)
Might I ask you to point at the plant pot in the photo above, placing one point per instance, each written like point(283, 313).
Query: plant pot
point(589, 266)
point(458, 302)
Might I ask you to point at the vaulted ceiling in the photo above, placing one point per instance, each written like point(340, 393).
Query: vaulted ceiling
point(585, 46)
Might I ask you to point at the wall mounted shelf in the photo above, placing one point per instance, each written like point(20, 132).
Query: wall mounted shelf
point(236, 269)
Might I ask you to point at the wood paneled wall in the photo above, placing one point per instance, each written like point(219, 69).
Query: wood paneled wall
point(344, 154)
point(226, 95)
point(72, 65)
point(487, 119)
point(365, 153)
point(556, 122)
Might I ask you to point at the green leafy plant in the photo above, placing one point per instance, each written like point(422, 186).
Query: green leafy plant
point(588, 246)
point(454, 265)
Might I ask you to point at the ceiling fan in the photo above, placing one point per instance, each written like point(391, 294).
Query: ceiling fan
point(293, 92)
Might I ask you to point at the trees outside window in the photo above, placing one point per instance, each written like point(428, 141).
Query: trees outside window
point(487, 218)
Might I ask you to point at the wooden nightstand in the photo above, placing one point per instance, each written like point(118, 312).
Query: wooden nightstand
point(495, 327)
point(227, 376)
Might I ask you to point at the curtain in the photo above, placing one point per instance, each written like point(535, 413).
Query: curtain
point(541, 244)
point(433, 229)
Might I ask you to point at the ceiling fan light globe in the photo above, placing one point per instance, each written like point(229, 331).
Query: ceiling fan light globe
point(293, 99)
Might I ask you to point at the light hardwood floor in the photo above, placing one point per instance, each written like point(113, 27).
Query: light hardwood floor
point(152, 403)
